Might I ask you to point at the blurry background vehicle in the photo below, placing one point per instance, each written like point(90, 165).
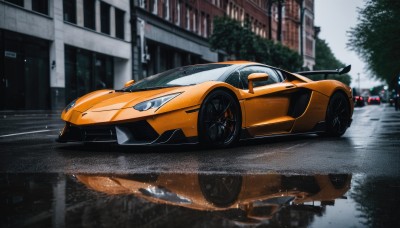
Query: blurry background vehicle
point(374, 100)
point(359, 101)
point(391, 101)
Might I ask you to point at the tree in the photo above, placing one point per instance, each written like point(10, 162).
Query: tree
point(376, 38)
point(241, 43)
point(325, 59)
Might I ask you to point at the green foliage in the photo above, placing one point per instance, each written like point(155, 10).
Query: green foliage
point(376, 90)
point(326, 60)
point(241, 43)
point(376, 38)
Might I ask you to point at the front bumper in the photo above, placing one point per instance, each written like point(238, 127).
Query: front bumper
point(135, 133)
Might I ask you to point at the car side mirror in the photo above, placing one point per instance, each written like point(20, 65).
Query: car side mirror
point(255, 77)
point(129, 83)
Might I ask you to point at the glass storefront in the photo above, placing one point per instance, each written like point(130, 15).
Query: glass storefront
point(163, 57)
point(24, 72)
point(86, 71)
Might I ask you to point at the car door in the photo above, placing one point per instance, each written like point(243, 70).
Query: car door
point(266, 109)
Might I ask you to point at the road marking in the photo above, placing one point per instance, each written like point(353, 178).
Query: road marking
point(25, 133)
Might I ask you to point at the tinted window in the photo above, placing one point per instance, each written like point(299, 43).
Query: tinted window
point(234, 80)
point(245, 72)
point(282, 75)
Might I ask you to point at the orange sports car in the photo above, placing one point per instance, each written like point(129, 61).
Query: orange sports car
point(212, 104)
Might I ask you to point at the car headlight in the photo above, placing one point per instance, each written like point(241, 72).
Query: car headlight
point(70, 105)
point(155, 103)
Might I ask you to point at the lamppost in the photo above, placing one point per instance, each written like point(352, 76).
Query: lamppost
point(359, 84)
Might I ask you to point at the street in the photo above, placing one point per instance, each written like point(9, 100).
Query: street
point(44, 183)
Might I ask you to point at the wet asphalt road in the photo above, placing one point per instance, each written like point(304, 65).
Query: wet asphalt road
point(66, 184)
point(370, 146)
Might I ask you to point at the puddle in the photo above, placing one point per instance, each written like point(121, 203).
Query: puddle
point(202, 200)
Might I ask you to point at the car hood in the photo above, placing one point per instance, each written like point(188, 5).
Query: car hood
point(107, 100)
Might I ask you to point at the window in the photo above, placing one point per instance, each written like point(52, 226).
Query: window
point(41, 6)
point(208, 26)
point(282, 75)
point(142, 4)
point(234, 80)
point(86, 71)
point(89, 14)
point(178, 13)
point(105, 17)
point(69, 10)
point(187, 18)
point(16, 2)
point(194, 21)
point(166, 9)
point(119, 23)
point(155, 8)
point(205, 26)
point(245, 72)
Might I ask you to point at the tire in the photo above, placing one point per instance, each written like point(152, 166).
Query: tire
point(220, 190)
point(219, 120)
point(337, 115)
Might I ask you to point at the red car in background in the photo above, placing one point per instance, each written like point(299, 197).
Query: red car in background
point(374, 100)
point(359, 101)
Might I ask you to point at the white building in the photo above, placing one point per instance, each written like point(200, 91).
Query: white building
point(53, 51)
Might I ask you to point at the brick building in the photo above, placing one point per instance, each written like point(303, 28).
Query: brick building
point(309, 34)
point(298, 28)
point(171, 33)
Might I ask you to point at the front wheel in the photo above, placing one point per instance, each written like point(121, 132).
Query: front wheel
point(219, 119)
point(337, 115)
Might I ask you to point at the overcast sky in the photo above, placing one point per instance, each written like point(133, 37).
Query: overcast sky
point(336, 17)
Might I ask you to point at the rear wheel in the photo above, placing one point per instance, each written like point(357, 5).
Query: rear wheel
point(337, 115)
point(220, 190)
point(219, 119)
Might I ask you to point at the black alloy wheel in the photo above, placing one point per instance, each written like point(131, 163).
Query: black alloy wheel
point(219, 119)
point(337, 115)
point(220, 190)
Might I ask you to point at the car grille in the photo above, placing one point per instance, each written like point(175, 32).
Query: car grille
point(141, 131)
point(98, 134)
point(90, 133)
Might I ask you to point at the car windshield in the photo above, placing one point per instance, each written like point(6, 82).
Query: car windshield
point(181, 76)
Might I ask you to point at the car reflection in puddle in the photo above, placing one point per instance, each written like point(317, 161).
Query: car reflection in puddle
point(241, 199)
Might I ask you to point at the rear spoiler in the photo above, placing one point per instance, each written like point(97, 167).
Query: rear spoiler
point(339, 71)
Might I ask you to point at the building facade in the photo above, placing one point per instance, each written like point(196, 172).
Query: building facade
point(54, 51)
point(172, 33)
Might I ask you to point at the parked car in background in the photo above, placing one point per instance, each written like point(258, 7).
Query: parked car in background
point(359, 101)
point(374, 100)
